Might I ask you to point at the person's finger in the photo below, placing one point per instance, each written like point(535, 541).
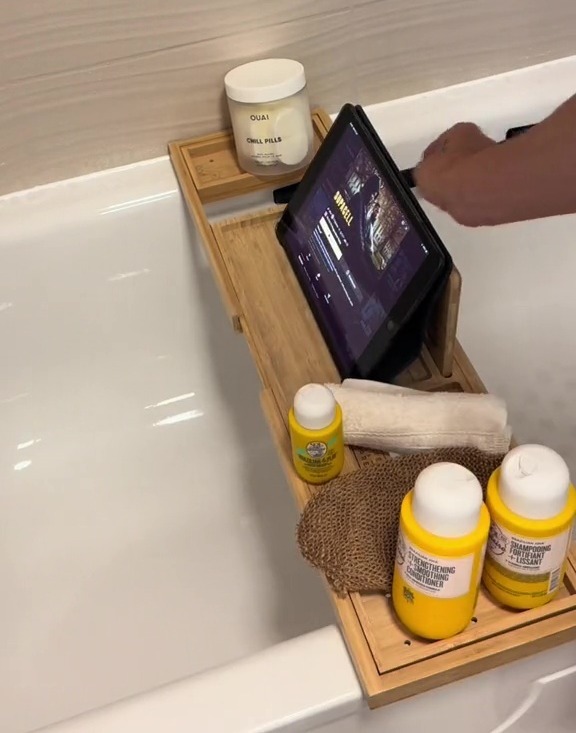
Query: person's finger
point(430, 177)
point(467, 137)
point(441, 143)
point(436, 145)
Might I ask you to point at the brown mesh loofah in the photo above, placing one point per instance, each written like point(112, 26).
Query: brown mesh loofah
point(348, 530)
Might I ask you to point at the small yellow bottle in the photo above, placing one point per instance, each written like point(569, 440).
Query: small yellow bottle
point(532, 505)
point(316, 434)
point(444, 527)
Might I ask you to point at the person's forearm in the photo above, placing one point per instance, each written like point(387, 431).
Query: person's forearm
point(528, 177)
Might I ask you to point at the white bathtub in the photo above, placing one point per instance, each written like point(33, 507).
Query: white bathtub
point(150, 580)
point(147, 531)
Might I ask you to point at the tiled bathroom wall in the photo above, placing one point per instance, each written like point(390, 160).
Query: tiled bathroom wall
point(88, 84)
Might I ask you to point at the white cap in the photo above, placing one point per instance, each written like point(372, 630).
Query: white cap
point(534, 482)
point(314, 407)
point(265, 80)
point(447, 500)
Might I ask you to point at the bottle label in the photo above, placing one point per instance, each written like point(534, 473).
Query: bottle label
point(316, 449)
point(278, 133)
point(318, 457)
point(264, 145)
point(440, 577)
point(527, 559)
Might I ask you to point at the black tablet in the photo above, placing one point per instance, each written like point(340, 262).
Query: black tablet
point(363, 250)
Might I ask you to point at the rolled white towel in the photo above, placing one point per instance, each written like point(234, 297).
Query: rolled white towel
point(368, 385)
point(403, 420)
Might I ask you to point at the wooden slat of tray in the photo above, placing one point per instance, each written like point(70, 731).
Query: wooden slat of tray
point(207, 170)
point(268, 293)
point(290, 351)
point(441, 338)
point(481, 656)
point(212, 164)
point(393, 647)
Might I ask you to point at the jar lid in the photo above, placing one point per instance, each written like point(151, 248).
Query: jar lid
point(534, 482)
point(265, 80)
point(447, 500)
point(314, 407)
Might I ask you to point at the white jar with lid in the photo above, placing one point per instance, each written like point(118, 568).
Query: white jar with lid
point(270, 113)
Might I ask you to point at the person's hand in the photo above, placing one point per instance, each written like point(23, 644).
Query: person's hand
point(448, 164)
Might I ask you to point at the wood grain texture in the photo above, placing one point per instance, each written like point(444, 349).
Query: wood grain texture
point(220, 274)
point(86, 86)
point(409, 47)
point(208, 170)
point(441, 335)
point(214, 171)
point(111, 114)
point(40, 37)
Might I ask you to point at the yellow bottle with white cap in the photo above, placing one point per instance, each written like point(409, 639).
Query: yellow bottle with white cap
point(532, 505)
point(444, 527)
point(316, 434)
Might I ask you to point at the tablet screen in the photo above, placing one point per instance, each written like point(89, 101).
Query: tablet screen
point(354, 246)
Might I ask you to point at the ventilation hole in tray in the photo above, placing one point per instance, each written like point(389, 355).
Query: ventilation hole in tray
point(407, 642)
point(474, 620)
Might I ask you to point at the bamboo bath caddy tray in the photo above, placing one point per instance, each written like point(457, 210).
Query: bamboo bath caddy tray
point(265, 303)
